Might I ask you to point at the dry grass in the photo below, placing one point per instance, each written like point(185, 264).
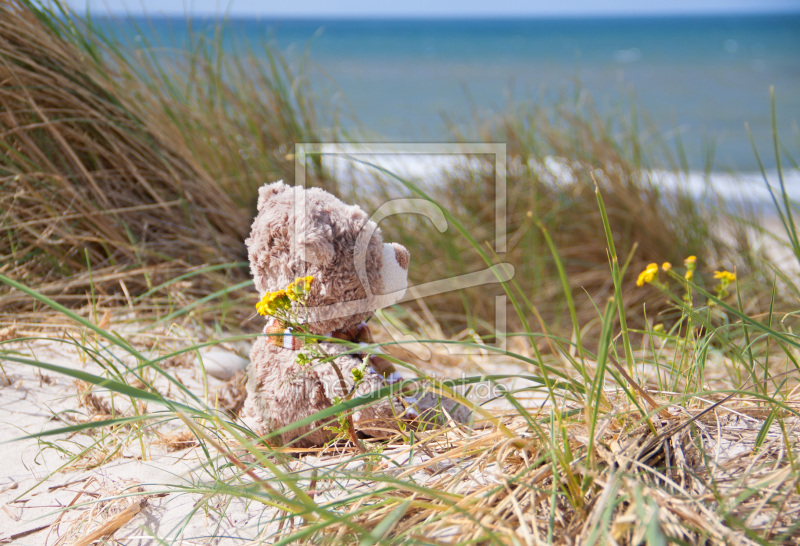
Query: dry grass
point(110, 508)
point(89, 176)
point(112, 182)
point(231, 395)
point(698, 475)
point(178, 440)
point(96, 406)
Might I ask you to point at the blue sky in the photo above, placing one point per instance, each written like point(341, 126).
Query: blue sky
point(416, 8)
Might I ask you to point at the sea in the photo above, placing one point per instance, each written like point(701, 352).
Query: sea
point(693, 81)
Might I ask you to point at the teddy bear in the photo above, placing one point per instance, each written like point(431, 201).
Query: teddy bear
point(322, 270)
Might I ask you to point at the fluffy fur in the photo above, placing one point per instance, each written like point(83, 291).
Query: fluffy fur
point(299, 232)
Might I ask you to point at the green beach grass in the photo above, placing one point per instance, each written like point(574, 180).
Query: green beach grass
point(666, 412)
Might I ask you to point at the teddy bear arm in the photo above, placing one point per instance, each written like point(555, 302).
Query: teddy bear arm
point(280, 392)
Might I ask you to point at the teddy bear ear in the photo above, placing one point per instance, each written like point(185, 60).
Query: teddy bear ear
point(268, 191)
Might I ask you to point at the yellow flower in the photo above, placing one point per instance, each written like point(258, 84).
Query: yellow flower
point(647, 275)
point(666, 266)
point(272, 302)
point(691, 265)
point(725, 276)
point(299, 288)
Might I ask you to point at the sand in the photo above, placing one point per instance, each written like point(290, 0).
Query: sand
point(41, 477)
point(115, 487)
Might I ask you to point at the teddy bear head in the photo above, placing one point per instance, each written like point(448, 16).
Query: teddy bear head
point(299, 232)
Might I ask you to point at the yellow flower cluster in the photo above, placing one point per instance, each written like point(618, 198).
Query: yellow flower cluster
point(647, 276)
point(281, 300)
point(272, 302)
point(725, 277)
point(650, 273)
point(650, 276)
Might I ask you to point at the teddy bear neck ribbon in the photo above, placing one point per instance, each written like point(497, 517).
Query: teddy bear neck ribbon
point(282, 335)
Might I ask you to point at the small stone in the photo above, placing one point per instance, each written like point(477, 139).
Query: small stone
point(222, 364)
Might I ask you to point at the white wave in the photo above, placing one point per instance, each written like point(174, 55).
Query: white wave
point(627, 56)
point(745, 187)
point(429, 170)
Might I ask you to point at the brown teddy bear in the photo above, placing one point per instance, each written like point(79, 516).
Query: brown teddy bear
point(323, 270)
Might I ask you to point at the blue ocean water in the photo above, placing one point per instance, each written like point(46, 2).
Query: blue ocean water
point(698, 78)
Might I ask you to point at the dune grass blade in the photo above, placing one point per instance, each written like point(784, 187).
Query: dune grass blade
point(616, 275)
point(562, 275)
point(197, 303)
point(36, 296)
point(189, 275)
point(791, 229)
point(596, 396)
point(103, 382)
point(99, 424)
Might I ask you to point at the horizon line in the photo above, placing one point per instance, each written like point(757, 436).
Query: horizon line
point(434, 17)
